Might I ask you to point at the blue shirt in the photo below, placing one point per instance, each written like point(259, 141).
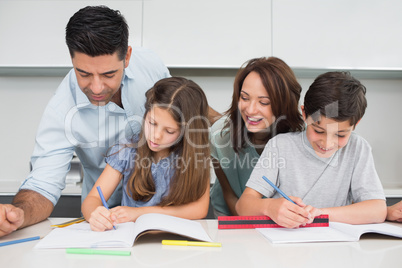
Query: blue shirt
point(71, 123)
point(122, 159)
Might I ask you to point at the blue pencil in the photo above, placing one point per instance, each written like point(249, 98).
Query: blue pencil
point(278, 190)
point(19, 241)
point(103, 200)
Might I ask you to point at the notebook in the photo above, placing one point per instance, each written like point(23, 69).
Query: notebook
point(80, 235)
point(335, 232)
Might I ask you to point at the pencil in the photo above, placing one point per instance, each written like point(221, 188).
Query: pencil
point(278, 190)
point(19, 241)
point(103, 200)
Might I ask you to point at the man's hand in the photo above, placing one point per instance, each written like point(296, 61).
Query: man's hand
point(11, 218)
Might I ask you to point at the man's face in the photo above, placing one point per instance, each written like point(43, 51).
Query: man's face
point(99, 77)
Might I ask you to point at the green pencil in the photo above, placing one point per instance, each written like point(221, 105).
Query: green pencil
point(97, 251)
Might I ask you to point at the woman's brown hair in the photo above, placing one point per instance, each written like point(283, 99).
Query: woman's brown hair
point(284, 94)
point(187, 104)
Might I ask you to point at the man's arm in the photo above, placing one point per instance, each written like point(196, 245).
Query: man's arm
point(36, 207)
point(27, 208)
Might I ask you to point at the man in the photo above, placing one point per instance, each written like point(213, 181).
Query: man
point(99, 102)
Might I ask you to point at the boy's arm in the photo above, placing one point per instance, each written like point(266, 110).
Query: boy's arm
point(193, 211)
point(228, 194)
point(369, 211)
point(280, 210)
point(394, 212)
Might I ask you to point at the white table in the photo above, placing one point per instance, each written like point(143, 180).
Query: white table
point(240, 248)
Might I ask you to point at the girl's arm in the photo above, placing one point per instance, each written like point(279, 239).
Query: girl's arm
point(369, 211)
point(194, 210)
point(92, 209)
point(280, 210)
point(228, 194)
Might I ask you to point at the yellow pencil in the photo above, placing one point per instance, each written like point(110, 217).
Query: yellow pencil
point(190, 243)
point(67, 223)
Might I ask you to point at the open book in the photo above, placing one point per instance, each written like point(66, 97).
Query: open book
point(335, 232)
point(80, 235)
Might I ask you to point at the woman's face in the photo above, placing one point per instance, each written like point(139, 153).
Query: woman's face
point(255, 105)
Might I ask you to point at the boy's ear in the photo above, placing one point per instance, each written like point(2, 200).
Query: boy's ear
point(303, 112)
point(356, 124)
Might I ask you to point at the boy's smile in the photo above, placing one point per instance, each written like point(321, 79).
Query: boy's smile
point(327, 136)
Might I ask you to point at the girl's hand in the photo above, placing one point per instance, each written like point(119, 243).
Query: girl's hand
point(125, 214)
point(287, 214)
point(101, 220)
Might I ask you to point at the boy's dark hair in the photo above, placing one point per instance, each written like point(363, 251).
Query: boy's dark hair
point(336, 95)
point(96, 31)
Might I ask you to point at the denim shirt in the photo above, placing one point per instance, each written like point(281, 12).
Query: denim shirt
point(71, 124)
point(122, 159)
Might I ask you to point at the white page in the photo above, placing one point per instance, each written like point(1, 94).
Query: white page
point(80, 235)
point(184, 227)
point(335, 232)
point(357, 230)
point(303, 235)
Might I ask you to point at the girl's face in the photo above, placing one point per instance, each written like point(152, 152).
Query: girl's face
point(255, 105)
point(161, 131)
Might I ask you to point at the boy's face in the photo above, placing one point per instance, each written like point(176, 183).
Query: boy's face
point(327, 136)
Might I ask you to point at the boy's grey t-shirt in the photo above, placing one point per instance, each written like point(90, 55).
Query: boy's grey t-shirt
point(290, 162)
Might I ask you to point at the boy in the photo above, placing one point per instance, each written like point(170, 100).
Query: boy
point(327, 166)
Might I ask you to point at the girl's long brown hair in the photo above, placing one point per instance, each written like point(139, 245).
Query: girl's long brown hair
point(187, 104)
point(284, 94)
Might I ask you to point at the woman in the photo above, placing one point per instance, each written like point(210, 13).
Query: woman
point(265, 103)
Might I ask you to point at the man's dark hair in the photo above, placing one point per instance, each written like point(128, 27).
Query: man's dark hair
point(96, 31)
point(336, 95)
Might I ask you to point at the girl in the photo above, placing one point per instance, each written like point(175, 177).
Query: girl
point(265, 103)
point(164, 170)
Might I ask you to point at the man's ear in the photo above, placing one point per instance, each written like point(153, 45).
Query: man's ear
point(128, 56)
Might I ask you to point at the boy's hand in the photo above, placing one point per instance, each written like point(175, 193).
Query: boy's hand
point(287, 214)
point(101, 219)
point(394, 212)
point(125, 214)
point(314, 212)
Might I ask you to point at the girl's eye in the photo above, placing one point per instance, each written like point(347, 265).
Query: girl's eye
point(152, 123)
point(318, 132)
point(170, 132)
point(265, 103)
point(243, 98)
point(109, 75)
point(340, 136)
